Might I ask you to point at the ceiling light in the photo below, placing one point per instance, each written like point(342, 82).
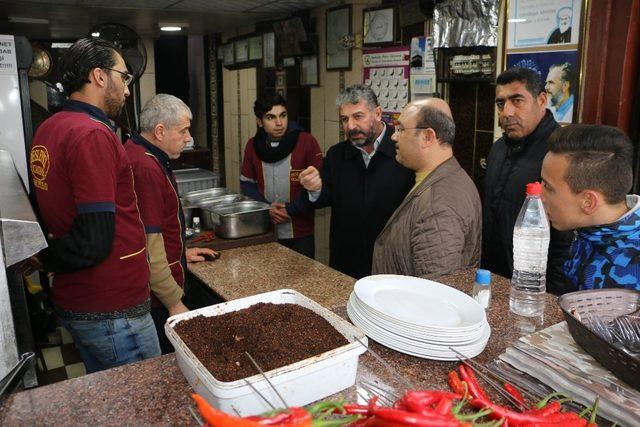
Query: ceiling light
point(95, 34)
point(25, 20)
point(172, 26)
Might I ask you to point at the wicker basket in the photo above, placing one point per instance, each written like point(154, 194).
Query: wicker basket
point(608, 304)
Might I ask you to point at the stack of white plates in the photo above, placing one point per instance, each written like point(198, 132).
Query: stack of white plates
point(419, 317)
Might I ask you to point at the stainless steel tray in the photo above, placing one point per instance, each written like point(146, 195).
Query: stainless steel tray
point(240, 219)
point(207, 205)
point(192, 197)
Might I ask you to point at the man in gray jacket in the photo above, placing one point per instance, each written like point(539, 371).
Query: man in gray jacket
point(437, 229)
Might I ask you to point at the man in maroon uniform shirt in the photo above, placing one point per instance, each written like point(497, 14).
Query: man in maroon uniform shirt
point(84, 189)
point(164, 124)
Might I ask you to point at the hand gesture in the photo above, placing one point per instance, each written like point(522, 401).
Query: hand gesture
point(310, 179)
point(278, 213)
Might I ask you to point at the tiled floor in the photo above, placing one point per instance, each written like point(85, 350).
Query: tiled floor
point(60, 362)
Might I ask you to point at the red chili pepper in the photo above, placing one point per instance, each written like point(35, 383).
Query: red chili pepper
point(216, 418)
point(412, 419)
point(570, 423)
point(275, 419)
point(517, 418)
point(419, 400)
point(455, 383)
point(355, 409)
point(474, 388)
point(399, 404)
point(515, 393)
point(378, 422)
point(298, 417)
point(444, 406)
point(550, 408)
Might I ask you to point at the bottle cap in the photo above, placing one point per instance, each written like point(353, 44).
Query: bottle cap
point(483, 277)
point(534, 189)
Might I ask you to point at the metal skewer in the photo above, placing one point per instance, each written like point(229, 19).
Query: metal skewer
point(196, 416)
point(259, 394)
point(266, 378)
point(465, 360)
point(407, 383)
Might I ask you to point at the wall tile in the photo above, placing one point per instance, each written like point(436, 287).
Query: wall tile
point(331, 134)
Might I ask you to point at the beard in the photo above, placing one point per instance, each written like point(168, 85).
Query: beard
point(113, 102)
point(368, 139)
point(555, 98)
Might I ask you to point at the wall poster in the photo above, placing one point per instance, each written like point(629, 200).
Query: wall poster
point(386, 70)
point(543, 22)
point(546, 36)
point(423, 68)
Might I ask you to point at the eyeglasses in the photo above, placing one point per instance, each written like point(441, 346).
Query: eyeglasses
point(400, 130)
point(127, 78)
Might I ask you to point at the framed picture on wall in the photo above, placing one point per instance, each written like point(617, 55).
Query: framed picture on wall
point(379, 26)
point(337, 38)
point(227, 54)
point(556, 24)
point(559, 70)
point(255, 48)
point(269, 50)
point(241, 48)
point(309, 71)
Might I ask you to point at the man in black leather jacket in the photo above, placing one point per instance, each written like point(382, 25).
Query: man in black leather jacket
point(515, 160)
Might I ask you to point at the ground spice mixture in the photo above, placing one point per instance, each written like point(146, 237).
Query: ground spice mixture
point(275, 335)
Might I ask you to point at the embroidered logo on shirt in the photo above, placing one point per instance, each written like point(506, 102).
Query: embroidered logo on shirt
point(294, 175)
point(39, 164)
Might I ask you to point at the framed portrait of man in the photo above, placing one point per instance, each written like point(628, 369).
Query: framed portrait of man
point(379, 26)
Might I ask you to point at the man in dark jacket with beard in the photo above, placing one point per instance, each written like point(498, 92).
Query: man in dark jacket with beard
point(361, 181)
point(515, 160)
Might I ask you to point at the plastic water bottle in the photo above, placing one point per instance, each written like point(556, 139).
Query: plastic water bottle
point(530, 246)
point(482, 288)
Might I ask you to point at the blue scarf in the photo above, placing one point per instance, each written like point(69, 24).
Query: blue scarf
point(606, 256)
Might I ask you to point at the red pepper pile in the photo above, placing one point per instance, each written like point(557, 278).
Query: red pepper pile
point(544, 413)
point(316, 416)
point(423, 408)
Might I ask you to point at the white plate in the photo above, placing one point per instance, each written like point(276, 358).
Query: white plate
point(419, 301)
point(440, 354)
point(419, 334)
point(409, 328)
point(421, 345)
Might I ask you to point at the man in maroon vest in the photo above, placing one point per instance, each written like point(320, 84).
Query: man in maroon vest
point(164, 123)
point(84, 189)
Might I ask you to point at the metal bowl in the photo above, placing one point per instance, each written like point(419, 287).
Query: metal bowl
point(240, 219)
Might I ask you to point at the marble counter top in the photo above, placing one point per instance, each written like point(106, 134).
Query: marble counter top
point(155, 391)
point(251, 270)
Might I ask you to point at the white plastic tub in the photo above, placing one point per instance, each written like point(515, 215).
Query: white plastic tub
point(299, 384)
